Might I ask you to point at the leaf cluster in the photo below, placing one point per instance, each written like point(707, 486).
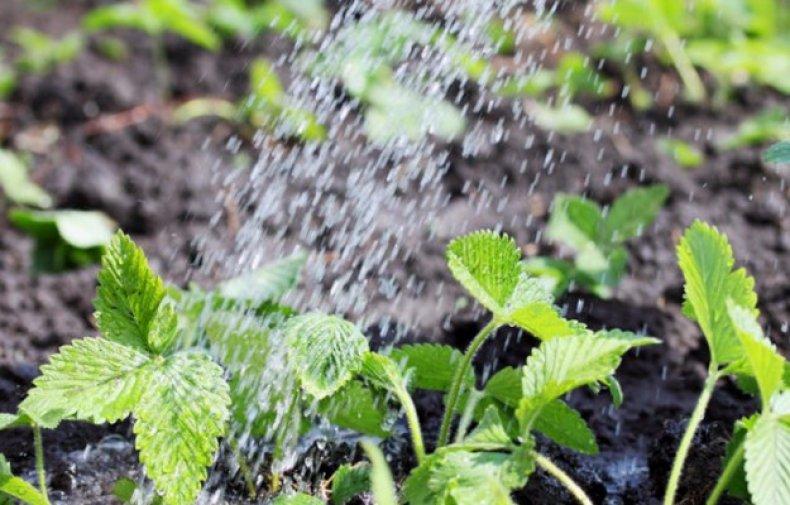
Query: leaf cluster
point(268, 106)
point(597, 238)
point(737, 41)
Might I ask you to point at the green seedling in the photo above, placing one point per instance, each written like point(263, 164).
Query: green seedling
point(666, 21)
point(682, 153)
point(156, 18)
point(13, 487)
point(178, 398)
point(297, 19)
point(597, 238)
point(268, 106)
point(485, 464)
point(736, 41)
point(64, 239)
point(16, 184)
point(362, 57)
point(41, 53)
point(722, 301)
point(771, 125)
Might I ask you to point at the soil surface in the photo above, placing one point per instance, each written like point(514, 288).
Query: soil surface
point(101, 138)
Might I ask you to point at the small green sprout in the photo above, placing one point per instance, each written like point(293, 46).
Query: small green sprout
point(155, 17)
point(41, 53)
point(597, 238)
point(8, 78)
point(268, 106)
point(723, 303)
point(64, 239)
point(770, 125)
point(16, 184)
point(297, 19)
point(682, 153)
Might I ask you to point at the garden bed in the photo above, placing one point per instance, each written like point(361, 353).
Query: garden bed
point(158, 181)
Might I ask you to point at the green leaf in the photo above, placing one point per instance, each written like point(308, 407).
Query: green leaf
point(505, 386)
point(564, 119)
point(468, 478)
point(269, 282)
point(563, 364)
point(633, 211)
point(576, 222)
point(543, 320)
point(124, 489)
point(488, 265)
point(768, 461)
point(737, 486)
point(18, 488)
point(163, 329)
point(9, 421)
point(324, 351)
point(91, 379)
point(489, 430)
point(356, 407)
point(682, 153)
point(381, 483)
point(178, 419)
point(349, 481)
point(429, 366)
point(706, 260)
point(297, 499)
point(16, 183)
point(128, 295)
point(566, 426)
point(765, 363)
point(382, 372)
point(778, 153)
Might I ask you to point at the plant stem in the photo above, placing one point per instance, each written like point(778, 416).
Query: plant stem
point(695, 90)
point(688, 436)
point(732, 466)
point(414, 422)
point(244, 467)
point(565, 479)
point(38, 449)
point(458, 379)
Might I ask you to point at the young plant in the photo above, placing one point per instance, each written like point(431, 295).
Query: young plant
point(736, 41)
point(64, 239)
point(8, 78)
point(723, 303)
point(597, 237)
point(178, 398)
point(12, 487)
point(296, 19)
point(770, 125)
point(267, 106)
point(15, 487)
point(681, 152)
point(498, 456)
point(41, 53)
point(156, 18)
point(16, 184)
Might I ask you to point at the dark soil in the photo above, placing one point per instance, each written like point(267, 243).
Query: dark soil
point(156, 180)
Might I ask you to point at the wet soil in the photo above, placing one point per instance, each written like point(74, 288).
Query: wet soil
point(115, 150)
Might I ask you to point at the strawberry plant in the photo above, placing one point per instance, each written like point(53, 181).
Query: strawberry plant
point(178, 398)
point(64, 239)
point(597, 238)
point(267, 106)
point(723, 303)
point(496, 457)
